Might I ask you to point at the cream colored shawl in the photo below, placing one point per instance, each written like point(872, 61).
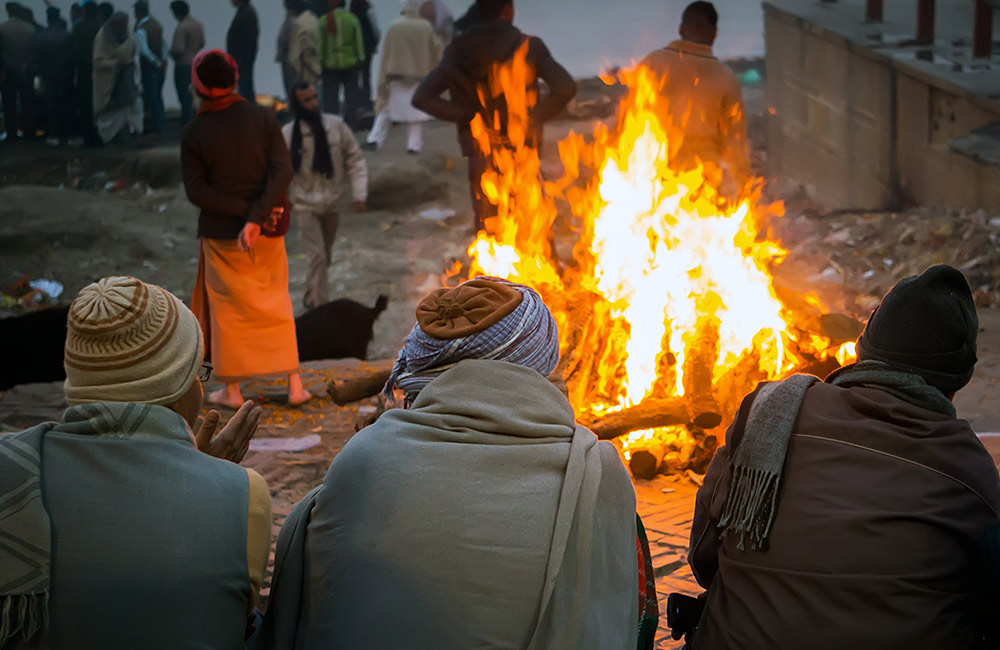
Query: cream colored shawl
point(108, 62)
point(410, 51)
point(482, 517)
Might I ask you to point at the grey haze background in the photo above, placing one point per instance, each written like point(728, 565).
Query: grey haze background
point(584, 35)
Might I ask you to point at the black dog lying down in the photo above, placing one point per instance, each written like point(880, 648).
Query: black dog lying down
point(341, 329)
point(32, 349)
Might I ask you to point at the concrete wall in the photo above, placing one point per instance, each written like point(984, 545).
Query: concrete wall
point(858, 128)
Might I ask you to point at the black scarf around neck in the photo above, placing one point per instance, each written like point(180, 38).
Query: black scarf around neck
point(322, 161)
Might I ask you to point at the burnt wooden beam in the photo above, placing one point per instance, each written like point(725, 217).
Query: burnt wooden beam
point(367, 382)
point(650, 414)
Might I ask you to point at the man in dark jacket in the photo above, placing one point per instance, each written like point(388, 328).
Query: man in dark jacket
point(463, 71)
point(54, 54)
point(84, 34)
point(848, 513)
point(241, 43)
point(468, 20)
point(17, 86)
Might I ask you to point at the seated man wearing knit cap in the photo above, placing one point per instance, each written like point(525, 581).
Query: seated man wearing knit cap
point(116, 532)
point(480, 516)
point(848, 513)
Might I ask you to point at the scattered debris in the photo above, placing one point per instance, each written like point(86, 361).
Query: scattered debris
point(697, 479)
point(50, 288)
point(437, 214)
point(861, 255)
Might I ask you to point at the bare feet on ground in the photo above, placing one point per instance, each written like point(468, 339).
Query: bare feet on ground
point(297, 394)
point(229, 396)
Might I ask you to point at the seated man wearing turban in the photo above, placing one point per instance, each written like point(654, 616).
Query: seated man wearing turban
point(848, 513)
point(480, 516)
point(116, 530)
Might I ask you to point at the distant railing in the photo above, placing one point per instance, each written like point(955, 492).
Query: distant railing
point(982, 27)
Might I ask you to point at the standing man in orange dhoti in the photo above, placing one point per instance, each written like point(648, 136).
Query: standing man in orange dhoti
point(704, 99)
point(237, 169)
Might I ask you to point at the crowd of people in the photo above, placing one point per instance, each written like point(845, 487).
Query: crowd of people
point(100, 77)
point(856, 511)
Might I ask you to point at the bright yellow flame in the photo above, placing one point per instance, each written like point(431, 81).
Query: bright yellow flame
point(669, 272)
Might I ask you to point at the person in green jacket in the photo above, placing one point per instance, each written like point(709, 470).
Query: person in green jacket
point(342, 52)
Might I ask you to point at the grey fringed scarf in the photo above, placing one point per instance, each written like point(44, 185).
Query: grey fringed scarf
point(759, 460)
point(760, 457)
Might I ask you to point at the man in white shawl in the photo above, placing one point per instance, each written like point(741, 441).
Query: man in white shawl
point(117, 100)
point(480, 516)
point(410, 51)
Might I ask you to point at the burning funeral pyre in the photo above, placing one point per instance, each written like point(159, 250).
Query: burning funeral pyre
point(668, 313)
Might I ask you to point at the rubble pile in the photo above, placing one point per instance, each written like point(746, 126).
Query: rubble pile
point(860, 255)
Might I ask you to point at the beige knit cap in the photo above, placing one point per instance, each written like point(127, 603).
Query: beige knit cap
point(128, 341)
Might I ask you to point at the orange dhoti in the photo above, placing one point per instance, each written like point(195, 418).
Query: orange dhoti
point(242, 302)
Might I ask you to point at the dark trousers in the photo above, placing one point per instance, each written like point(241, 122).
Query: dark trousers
point(366, 83)
point(85, 108)
point(245, 86)
point(19, 105)
point(289, 78)
point(333, 81)
point(182, 80)
point(59, 107)
point(152, 96)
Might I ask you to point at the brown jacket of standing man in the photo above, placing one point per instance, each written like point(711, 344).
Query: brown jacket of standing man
point(702, 96)
point(464, 69)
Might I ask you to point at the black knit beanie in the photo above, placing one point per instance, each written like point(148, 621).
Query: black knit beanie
point(928, 324)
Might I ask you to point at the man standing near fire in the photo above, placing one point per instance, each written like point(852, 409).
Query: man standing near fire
point(704, 100)
point(463, 71)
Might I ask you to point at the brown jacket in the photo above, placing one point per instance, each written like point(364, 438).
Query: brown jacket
point(703, 99)
point(875, 541)
point(236, 168)
point(465, 69)
point(189, 39)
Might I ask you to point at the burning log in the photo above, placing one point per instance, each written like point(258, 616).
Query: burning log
point(650, 414)
point(369, 380)
point(703, 354)
point(645, 462)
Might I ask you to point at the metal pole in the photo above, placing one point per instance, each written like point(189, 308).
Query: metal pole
point(873, 11)
point(925, 22)
point(982, 31)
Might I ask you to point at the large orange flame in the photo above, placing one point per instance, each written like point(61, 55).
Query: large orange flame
point(669, 277)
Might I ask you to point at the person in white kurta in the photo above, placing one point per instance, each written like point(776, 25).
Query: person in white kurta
point(316, 188)
point(410, 51)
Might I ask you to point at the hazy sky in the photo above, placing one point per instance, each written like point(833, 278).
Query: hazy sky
point(582, 34)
